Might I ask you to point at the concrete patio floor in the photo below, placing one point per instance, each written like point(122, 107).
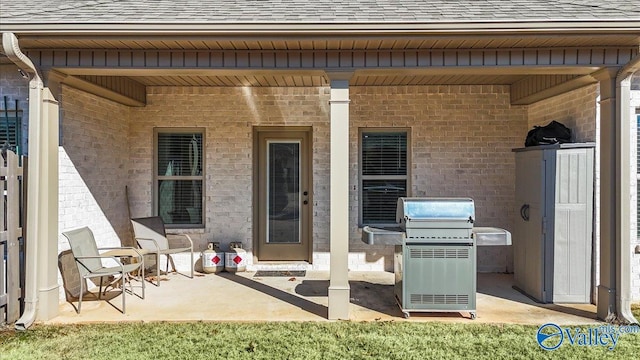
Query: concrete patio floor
point(245, 297)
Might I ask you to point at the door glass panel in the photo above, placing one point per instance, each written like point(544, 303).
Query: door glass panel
point(283, 191)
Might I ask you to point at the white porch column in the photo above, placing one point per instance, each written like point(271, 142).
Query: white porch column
point(339, 207)
point(615, 200)
point(607, 288)
point(41, 255)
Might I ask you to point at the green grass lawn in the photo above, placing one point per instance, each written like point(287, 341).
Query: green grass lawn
point(295, 340)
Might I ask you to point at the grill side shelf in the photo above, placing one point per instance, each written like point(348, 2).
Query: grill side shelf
point(377, 236)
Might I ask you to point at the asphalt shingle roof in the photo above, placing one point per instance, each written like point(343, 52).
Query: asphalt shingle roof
point(311, 11)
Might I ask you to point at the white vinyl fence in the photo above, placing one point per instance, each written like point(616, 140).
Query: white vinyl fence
point(10, 235)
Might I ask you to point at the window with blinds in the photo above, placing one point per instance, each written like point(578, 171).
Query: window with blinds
point(179, 177)
point(383, 175)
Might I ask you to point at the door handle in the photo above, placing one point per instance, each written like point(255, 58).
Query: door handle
point(524, 212)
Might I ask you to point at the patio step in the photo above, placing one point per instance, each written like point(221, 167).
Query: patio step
point(280, 266)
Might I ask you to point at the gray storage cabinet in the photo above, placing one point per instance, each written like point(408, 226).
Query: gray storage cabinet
point(553, 236)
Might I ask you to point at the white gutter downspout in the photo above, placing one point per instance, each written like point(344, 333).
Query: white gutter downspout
point(624, 253)
point(12, 50)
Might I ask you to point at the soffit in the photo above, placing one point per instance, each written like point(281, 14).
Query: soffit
point(307, 43)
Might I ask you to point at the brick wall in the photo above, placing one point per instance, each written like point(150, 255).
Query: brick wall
point(15, 87)
point(93, 159)
point(94, 164)
point(575, 109)
point(459, 149)
point(93, 169)
point(462, 138)
point(228, 116)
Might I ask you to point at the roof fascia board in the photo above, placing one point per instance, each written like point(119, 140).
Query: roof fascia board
point(604, 26)
point(631, 40)
point(301, 37)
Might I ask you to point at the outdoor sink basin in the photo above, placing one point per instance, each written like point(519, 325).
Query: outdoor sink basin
point(377, 236)
point(491, 236)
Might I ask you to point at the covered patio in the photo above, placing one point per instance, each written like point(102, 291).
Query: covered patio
point(529, 75)
point(246, 297)
point(465, 91)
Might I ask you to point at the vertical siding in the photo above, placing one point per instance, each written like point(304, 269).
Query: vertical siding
point(384, 57)
point(573, 226)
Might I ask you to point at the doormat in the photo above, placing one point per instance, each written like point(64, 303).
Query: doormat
point(268, 273)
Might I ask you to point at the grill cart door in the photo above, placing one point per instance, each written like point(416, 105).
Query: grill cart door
point(440, 277)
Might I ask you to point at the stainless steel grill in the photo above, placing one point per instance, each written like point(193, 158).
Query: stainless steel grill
point(435, 254)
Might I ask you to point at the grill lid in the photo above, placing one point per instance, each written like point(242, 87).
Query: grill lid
point(433, 212)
